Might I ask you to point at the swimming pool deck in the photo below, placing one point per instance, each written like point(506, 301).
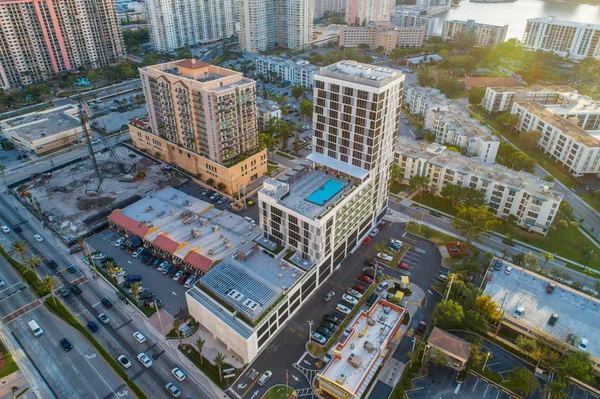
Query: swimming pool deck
point(327, 191)
point(302, 188)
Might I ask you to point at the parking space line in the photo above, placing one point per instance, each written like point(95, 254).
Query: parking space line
point(486, 389)
point(475, 386)
point(96, 304)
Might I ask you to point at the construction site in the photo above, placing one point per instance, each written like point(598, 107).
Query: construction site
point(77, 198)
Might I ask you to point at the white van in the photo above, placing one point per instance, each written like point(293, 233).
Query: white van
point(35, 329)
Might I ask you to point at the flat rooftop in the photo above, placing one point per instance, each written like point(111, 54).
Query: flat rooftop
point(253, 285)
point(354, 361)
point(179, 224)
point(36, 125)
point(371, 75)
point(438, 155)
point(294, 194)
point(289, 62)
point(577, 313)
point(561, 123)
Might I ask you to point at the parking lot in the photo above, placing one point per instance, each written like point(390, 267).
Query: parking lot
point(170, 292)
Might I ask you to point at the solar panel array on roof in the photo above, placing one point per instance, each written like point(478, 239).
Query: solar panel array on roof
point(243, 289)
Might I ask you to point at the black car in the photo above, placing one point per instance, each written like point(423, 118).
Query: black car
point(150, 260)
point(92, 326)
point(157, 262)
point(133, 278)
point(331, 319)
point(106, 302)
point(173, 271)
point(144, 258)
point(71, 269)
point(63, 292)
point(146, 295)
point(51, 264)
point(324, 332)
point(508, 243)
point(329, 326)
point(75, 289)
point(18, 229)
point(67, 346)
point(370, 262)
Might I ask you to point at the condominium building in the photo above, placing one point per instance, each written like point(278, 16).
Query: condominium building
point(451, 123)
point(575, 40)
point(409, 18)
point(569, 122)
point(323, 7)
point(531, 200)
point(482, 35)
point(202, 118)
point(381, 34)
point(178, 23)
point(266, 25)
point(41, 38)
point(297, 73)
point(267, 110)
point(360, 12)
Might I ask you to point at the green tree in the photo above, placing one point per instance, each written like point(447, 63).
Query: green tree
point(476, 95)
point(448, 314)
point(49, 282)
point(200, 345)
point(425, 77)
point(306, 108)
point(476, 322)
point(522, 381)
point(396, 54)
point(547, 257)
point(529, 139)
point(177, 327)
point(221, 186)
point(363, 46)
point(508, 120)
point(32, 263)
point(437, 358)
point(518, 259)
point(297, 91)
point(555, 390)
point(419, 183)
point(219, 362)
point(577, 364)
point(379, 50)
point(211, 182)
point(19, 248)
point(531, 261)
point(509, 242)
point(266, 140)
point(462, 195)
point(514, 158)
point(526, 344)
point(135, 289)
point(448, 84)
point(485, 305)
point(473, 222)
point(476, 356)
point(396, 172)
point(548, 178)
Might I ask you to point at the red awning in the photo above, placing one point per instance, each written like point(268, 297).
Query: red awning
point(135, 227)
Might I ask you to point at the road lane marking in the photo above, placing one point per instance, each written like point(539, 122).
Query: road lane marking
point(250, 386)
point(92, 366)
point(10, 286)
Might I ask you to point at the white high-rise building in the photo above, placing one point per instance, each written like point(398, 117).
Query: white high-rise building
point(265, 25)
point(175, 24)
point(409, 18)
point(329, 6)
point(575, 40)
point(324, 211)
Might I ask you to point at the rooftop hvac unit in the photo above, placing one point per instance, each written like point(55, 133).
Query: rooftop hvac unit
point(354, 360)
point(369, 347)
point(235, 295)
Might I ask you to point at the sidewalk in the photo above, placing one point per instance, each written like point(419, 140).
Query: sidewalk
point(17, 380)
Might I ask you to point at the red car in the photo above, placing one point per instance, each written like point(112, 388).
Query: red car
point(359, 288)
point(402, 266)
point(381, 225)
point(365, 279)
point(367, 240)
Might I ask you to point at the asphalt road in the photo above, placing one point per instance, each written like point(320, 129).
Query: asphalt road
point(116, 337)
point(288, 347)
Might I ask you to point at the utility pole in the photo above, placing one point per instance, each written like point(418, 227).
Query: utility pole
point(449, 288)
point(486, 360)
point(310, 324)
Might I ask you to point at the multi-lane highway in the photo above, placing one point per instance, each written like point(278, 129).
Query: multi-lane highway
point(116, 337)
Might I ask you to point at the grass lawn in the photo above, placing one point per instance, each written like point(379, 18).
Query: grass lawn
point(396, 187)
point(436, 202)
point(571, 244)
point(315, 349)
point(10, 366)
point(286, 156)
point(591, 200)
point(429, 233)
point(279, 392)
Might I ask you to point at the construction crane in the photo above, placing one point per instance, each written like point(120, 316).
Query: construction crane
point(84, 115)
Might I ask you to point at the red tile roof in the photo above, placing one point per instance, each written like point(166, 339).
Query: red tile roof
point(165, 243)
point(191, 63)
point(199, 261)
point(135, 227)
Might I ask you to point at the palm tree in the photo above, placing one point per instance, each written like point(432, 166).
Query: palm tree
point(587, 273)
point(176, 325)
point(111, 267)
point(555, 390)
point(81, 242)
point(219, 362)
point(14, 390)
point(135, 290)
point(547, 257)
point(509, 242)
point(49, 282)
point(19, 248)
point(200, 344)
point(32, 264)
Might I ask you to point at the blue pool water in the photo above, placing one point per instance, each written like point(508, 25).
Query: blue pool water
point(326, 192)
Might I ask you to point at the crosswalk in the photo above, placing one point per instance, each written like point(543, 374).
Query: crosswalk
point(21, 311)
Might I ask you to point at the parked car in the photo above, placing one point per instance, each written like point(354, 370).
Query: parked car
point(146, 295)
point(98, 256)
point(519, 312)
point(553, 319)
point(133, 278)
point(350, 299)
point(5, 229)
point(124, 361)
point(137, 252)
point(71, 269)
point(166, 268)
point(550, 288)
point(119, 242)
point(381, 225)
point(359, 288)
point(342, 308)
point(367, 240)
point(393, 247)
point(178, 275)
point(38, 238)
point(402, 266)
point(18, 229)
point(173, 390)
point(374, 232)
point(264, 378)
point(370, 262)
point(63, 292)
point(355, 293)
point(498, 265)
point(319, 338)
point(330, 319)
point(329, 296)
point(184, 277)
point(372, 299)
point(51, 264)
point(396, 242)
point(383, 286)
point(583, 344)
point(365, 279)
point(508, 269)
point(385, 257)
point(75, 289)
point(324, 332)
point(421, 328)
point(190, 281)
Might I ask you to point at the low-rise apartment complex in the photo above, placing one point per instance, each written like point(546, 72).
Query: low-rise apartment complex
point(202, 118)
point(44, 131)
point(382, 34)
point(297, 73)
point(568, 121)
point(267, 110)
point(531, 200)
point(576, 40)
point(482, 35)
point(451, 123)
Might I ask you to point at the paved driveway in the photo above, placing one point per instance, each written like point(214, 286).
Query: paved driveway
point(170, 292)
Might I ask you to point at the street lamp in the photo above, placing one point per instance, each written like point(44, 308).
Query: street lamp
point(310, 324)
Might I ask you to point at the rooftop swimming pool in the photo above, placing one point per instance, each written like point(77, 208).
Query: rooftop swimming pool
point(326, 192)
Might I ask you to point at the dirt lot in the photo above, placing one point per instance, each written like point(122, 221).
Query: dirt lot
point(64, 198)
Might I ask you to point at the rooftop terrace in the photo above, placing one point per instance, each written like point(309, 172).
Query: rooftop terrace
point(356, 360)
point(206, 74)
point(577, 313)
point(438, 155)
point(36, 125)
point(371, 75)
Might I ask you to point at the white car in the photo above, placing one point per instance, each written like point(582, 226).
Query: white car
point(98, 256)
point(137, 252)
point(319, 338)
point(177, 275)
point(38, 238)
point(519, 312)
point(249, 220)
point(119, 242)
point(350, 299)
point(173, 390)
point(124, 361)
point(342, 309)
point(264, 378)
point(384, 257)
point(374, 232)
point(508, 269)
point(355, 293)
point(5, 229)
point(583, 344)
point(104, 318)
point(2, 283)
point(396, 242)
point(177, 373)
point(145, 360)
point(139, 337)
point(190, 281)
